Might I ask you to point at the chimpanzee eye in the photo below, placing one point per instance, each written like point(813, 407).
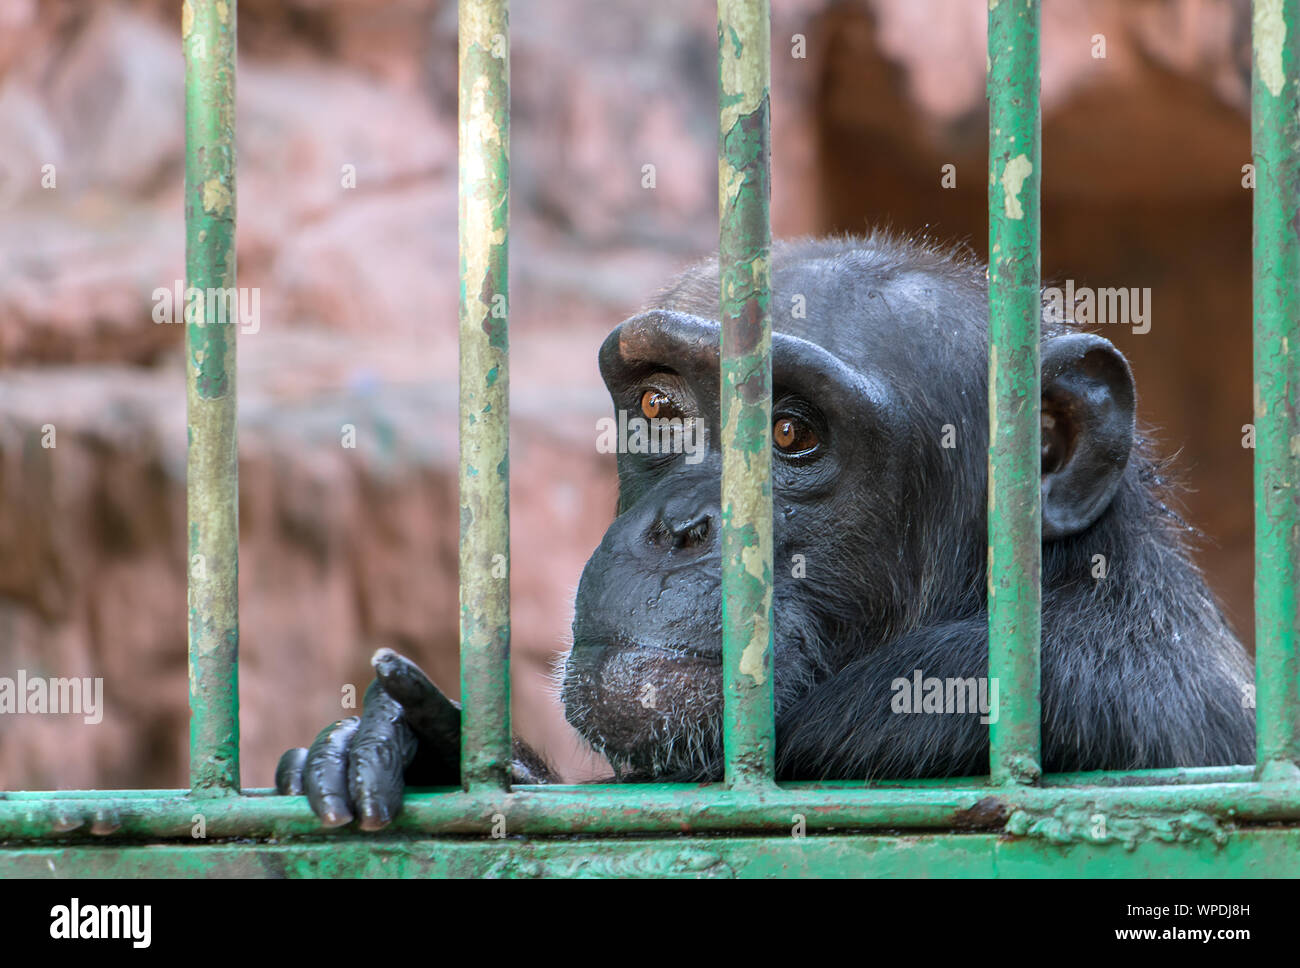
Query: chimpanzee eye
point(793, 437)
point(656, 403)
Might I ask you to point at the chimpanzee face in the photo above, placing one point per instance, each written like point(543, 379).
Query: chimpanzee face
point(879, 445)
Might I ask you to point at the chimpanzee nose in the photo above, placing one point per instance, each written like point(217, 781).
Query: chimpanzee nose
point(680, 530)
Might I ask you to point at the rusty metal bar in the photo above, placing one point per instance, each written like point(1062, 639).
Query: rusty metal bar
point(1275, 134)
point(1014, 521)
point(744, 190)
point(208, 35)
point(484, 394)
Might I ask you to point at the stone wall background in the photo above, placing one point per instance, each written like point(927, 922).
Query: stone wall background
point(345, 550)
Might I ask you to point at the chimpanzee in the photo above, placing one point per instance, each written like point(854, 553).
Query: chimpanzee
point(880, 397)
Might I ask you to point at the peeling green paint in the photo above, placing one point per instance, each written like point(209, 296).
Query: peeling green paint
point(216, 197)
point(744, 190)
point(1072, 824)
point(1268, 38)
point(484, 87)
point(1013, 177)
point(1276, 144)
point(212, 469)
point(1014, 519)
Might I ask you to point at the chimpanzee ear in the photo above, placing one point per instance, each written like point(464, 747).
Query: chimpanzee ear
point(1089, 406)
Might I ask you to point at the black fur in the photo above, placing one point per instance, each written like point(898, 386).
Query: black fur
point(1139, 668)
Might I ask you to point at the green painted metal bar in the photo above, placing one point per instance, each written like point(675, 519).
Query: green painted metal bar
point(484, 393)
point(208, 29)
point(1015, 525)
point(1275, 133)
point(744, 191)
point(670, 809)
point(1132, 778)
point(1261, 852)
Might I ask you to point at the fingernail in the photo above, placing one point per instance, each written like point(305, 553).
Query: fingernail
point(335, 813)
point(374, 814)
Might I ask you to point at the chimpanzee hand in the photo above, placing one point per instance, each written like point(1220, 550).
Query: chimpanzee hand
point(407, 732)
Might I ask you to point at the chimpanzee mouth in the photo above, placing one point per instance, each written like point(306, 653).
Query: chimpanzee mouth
point(591, 652)
point(673, 651)
point(637, 703)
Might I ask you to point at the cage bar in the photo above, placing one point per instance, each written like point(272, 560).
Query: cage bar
point(1014, 514)
point(744, 262)
point(1268, 852)
point(1159, 811)
point(212, 468)
point(484, 101)
point(1275, 135)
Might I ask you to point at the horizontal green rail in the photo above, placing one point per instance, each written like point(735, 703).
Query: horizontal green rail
point(660, 808)
point(1260, 852)
point(1131, 778)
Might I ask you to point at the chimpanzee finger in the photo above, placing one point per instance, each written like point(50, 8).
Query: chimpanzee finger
point(434, 717)
point(382, 748)
point(325, 774)
point(288, 772)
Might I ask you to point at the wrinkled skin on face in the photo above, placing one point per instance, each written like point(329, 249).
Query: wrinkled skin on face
point(880, 409)
point(648, 621)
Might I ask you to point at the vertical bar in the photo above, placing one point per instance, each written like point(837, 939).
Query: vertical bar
point(1275, 134)
point(212, 481)
point(744, 191)
point(1015, 524)
point(484, 394)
